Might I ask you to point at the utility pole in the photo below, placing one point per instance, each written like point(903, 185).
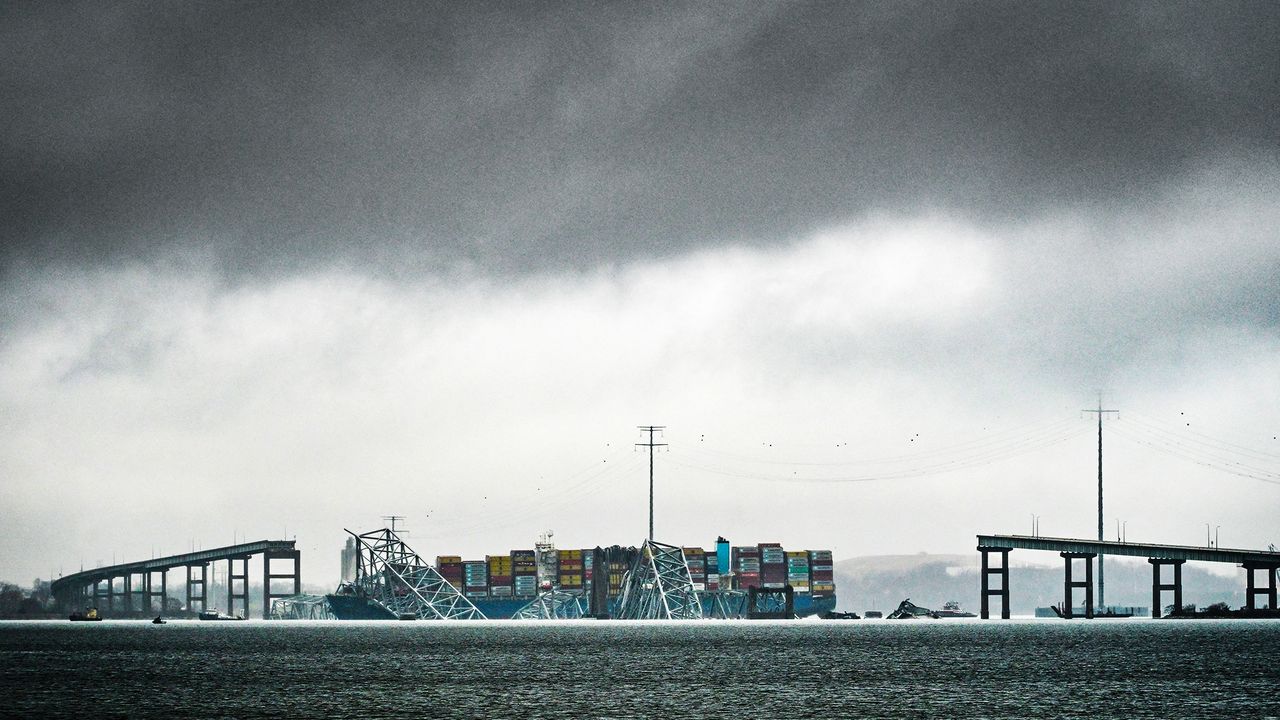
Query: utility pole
point(1102, 597)
point(651, 429)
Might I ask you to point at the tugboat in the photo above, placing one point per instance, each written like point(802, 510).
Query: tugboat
point(951, 609)
point(89, 615)
point(158, 621)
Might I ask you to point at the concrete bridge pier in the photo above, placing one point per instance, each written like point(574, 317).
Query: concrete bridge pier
point(296, 576)
point(243, 578)
point(100, 594)
point(1157, 586)
point(203, 596)
point(1253, 590)
point(1003, 591)
point(1068, 585)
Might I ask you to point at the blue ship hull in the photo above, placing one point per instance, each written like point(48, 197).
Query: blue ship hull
point(352, 607)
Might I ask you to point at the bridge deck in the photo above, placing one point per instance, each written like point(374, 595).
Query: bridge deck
point(86, 577)
point(1147, 550)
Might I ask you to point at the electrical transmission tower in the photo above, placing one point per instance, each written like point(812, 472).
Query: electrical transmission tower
point(651, 429)
point(1102, 597)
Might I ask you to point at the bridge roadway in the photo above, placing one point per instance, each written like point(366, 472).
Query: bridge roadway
point(76, 590)
point(1158, 555)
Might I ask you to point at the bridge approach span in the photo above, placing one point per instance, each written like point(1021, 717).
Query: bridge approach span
point(1160, 556)
point(99, 586)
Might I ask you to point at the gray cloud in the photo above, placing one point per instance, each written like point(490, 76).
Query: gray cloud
point(509, 137)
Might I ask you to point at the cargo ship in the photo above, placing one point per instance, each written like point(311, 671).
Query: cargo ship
point(501, 585)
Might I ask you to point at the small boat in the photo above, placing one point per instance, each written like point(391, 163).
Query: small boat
point(158, 621)
point(90, 615)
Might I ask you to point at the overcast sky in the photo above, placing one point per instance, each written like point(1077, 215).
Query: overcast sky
point(287, 268)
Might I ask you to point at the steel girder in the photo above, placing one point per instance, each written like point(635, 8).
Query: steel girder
point(728, 604)
point(391, 574)
point(301, 607)
point(658, 586)
point(553, 605)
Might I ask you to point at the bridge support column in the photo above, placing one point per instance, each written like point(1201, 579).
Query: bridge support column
point(243, 577)
point(1254, 591)
point(128, 592)
point(1157, 586)
point(1068, 585)
point(203, 581)
point(295, 574)
point(164, 591)
point(1003, 591)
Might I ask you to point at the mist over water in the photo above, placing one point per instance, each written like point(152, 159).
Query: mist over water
point(1126, 668)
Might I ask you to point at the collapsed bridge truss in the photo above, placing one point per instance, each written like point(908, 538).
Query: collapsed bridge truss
point(658, 586)
point(391, 574)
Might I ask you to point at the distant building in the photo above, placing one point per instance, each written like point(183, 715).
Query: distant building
point(349, 561)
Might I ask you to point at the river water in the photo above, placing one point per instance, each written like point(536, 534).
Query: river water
point(893, 669)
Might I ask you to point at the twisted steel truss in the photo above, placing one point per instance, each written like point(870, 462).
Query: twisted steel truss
point(658, 586)
point(301, 607)
point(726, 604)
point(389, 573)
point(553, 605)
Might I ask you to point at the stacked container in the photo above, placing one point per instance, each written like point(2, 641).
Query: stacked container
point(746, 566)
point(524, 573)
point(588, 571)
point(499, 575)
point(616, 571)
point(696, 559)
point(450, 568)
point(821, 573)
point(798, 571)
point(570, 570)
point(475, 579)
point(773, 565)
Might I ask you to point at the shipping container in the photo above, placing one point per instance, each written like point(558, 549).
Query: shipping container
point(447, 559)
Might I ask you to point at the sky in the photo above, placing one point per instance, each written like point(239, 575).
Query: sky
point(281, 269)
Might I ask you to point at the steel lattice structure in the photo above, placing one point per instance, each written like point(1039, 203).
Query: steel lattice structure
point(727, 604)
point(553, 605)
point(391, 574)
point(658, 586)
point(301, 607)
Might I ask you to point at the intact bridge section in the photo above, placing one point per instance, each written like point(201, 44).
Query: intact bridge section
point(1160, 556)
point(131, 588)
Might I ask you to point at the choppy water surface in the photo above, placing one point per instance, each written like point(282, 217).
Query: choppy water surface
point(1125, 668)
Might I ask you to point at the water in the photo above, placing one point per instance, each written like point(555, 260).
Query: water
point(907, 669)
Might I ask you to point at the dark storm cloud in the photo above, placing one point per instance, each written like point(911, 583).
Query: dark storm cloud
point(535, 135)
